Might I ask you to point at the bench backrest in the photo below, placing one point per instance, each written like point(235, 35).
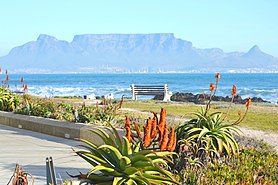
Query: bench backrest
point(149, 90)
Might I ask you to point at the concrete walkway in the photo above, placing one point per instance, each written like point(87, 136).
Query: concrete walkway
point(30, 149)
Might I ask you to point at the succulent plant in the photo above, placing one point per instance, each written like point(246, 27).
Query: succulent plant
point(121, 162)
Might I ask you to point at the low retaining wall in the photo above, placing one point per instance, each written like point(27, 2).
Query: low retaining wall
point(52, 127)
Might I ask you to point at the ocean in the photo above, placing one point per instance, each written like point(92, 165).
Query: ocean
point(48, 85)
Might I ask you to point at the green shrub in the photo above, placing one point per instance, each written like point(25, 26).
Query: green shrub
point(207, 136)
point(251, 166)
point(48, 108)
point(104, 113)
point(8, 100)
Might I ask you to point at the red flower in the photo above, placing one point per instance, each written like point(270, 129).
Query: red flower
point(164, 141)
point(211, 87)
point(234, 90)
point(154, 127)
point(127, 121)
point(147, 133)
point(128, 130)
point(171, 139)
point(217, 75)
point(162, 123)
point(248, 102)
point(25, 87)
point(138, 130)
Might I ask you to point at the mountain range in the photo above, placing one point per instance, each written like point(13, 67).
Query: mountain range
point(90, 53)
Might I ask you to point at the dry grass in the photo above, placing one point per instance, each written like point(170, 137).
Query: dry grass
point(259, 117)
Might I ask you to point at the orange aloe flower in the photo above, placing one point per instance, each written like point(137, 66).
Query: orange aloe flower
point(211, 87)
point(0, 70)
point(234, 90)
point(171, 139)
point(8, 86)
point(25, 87)
point(248, 102)
point(147, 133)
point(7, 78)
point(154, 128)
point(174, 143)
point(127, 128)
point(163, 144)
point(128, 134)
point(139, 134)
point(7, 72)
point(22, 80)
point(127, 121)
point(121, 102)
point(217, 75)
point(162, 123)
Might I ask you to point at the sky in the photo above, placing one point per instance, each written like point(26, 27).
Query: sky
point(232, 25)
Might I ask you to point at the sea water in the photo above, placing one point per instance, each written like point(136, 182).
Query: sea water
point(47, 85)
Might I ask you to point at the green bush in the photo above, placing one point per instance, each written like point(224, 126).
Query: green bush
point(207, 136)
point(48, 108)
point(251, 166)
point(8, 100)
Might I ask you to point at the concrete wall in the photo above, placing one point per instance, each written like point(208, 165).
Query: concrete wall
point(50, 126)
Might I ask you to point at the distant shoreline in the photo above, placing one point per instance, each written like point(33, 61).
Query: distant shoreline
point(107, 73)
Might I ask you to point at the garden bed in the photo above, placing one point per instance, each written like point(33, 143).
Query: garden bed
point(49, 126)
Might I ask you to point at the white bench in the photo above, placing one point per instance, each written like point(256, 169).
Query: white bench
point(152, 90)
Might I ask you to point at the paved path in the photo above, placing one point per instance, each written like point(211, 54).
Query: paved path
point(270, 138)
point(30, 149)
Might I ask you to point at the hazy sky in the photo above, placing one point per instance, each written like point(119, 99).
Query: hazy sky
point(234, 25)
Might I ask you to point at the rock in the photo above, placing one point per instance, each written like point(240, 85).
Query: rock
point(202, 99)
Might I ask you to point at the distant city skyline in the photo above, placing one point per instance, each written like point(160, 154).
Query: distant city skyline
point(229, 25)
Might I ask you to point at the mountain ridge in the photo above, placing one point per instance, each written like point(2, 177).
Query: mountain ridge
point(156, 52)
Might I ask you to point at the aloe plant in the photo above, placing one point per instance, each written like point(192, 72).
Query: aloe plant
point(121, 162)
point(208, 136)
point(208, 133)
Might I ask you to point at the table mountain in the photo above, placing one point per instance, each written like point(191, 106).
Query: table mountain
point(130, 53)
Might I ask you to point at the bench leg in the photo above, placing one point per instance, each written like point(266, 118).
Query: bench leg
point(167, 97)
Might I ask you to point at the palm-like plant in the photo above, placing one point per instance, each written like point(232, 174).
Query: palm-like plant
point(121, 162)
point(209, 134)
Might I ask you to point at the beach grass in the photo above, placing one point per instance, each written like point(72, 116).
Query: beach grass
point(259, 117)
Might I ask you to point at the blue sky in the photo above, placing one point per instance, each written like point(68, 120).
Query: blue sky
point(234, 25)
